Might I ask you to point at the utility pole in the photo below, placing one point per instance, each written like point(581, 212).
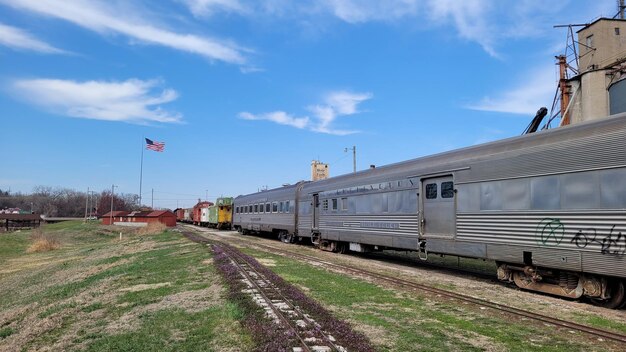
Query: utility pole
point(152, 205)
point(86, 203)
point(353, 157)
point(112, 193)
point(621, 9)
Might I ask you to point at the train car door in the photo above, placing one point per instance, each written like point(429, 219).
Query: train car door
point(316, 211)
point(439, 207)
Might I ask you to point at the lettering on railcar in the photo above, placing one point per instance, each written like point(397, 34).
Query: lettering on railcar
point(550, 233)
point(380, 225)
point(613, 243)
point(255, 219)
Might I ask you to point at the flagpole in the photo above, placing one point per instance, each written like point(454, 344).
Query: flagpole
point(141, 171)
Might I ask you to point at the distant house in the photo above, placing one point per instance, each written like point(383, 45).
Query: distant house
point(118, 216)
point(140, 218)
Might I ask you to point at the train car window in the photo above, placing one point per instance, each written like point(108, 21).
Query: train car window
point(280, 207)
point(325, 204)
point(268, 208)
point(256, 208)
point(385, 202)
point(447, 190)
point(275, 207)
point(335, 204)
point(236, 210)
point(431, 191)
point(261, 208)
point(344, 203)
point(287, 207)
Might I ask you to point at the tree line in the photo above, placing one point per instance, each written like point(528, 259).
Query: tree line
point(65, 202)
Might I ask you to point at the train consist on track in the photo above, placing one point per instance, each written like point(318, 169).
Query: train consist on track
point(549, 208)
point(218, 215)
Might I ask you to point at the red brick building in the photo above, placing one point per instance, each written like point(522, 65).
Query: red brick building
point(141, 218)
point(118, 216)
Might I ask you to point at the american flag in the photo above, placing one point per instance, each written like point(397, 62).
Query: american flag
point(156, 146)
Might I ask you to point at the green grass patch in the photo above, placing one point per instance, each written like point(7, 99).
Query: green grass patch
point(214, 329)
point(601, 322)
point(13, 245)
point(93, 307)
point(91, 282)
point(6, 332)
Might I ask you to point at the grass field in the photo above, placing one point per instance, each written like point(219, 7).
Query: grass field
point(97, 293)
point(161, 292)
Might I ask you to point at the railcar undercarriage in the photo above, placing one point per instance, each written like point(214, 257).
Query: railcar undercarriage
point(602, 291)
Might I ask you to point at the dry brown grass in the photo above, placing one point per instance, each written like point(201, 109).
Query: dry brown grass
point(153, 228)
point(42, 242)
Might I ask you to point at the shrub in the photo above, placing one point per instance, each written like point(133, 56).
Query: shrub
point(153, 228)
point(42, 242)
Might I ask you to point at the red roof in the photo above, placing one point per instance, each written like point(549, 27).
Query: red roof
point(157, 213)
point(115, 213)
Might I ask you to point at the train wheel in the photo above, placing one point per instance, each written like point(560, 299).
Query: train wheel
point(285, 237)
point(618, 293)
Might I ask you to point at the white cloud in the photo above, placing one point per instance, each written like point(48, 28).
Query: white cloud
point(279, 117)
point(105, 18)
point(202, 8)
point(250, 69)
point(469, 17)
point(526, 98)
point(18, 39)
point(356, 11)
point(132, 100)
point(340, 103)
point(336, 104)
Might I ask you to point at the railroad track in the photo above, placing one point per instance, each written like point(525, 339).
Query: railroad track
point(405, 284)
point(307, 331)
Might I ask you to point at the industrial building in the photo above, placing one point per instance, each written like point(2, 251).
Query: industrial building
point(598, 88)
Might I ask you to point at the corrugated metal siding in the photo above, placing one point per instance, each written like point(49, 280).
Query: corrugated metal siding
point(373, 224)
point(583, 240)
point(595, 151)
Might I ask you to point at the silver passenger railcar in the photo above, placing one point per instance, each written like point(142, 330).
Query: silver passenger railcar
point(549, 208)
point(274, 211)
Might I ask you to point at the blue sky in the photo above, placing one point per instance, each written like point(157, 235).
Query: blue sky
point(246, 93)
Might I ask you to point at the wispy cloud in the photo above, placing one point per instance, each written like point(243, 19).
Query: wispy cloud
point(524, 98)
point(203, 8)
point(132, 100)
point(336, 104)
point(469, 17)
point(341, 103)
point(279, 117)
point(358, 11)
point(250, 69)
point(104, 18)
point(18, 39)
point(485, 22)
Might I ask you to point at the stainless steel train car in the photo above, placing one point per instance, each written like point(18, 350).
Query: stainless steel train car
point(274, 211)
point(549, 208)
